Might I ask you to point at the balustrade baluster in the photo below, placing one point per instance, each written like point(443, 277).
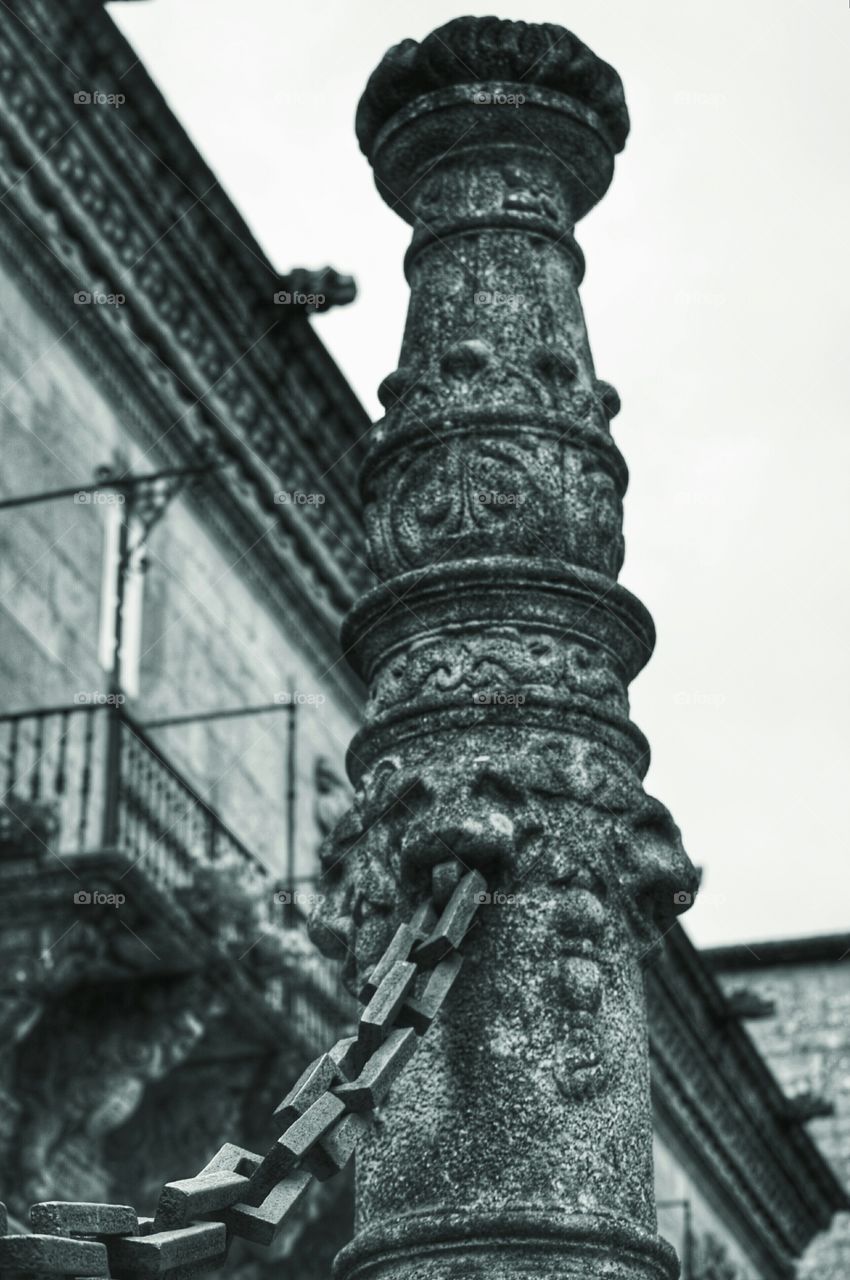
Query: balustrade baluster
point(12, 756)
point(165, 822)
point(163, 834)
point(152, 809)
point(146, 800)
point(85, 781)
point(131, 798)
point(38, 752)
point(59, 777)
point(60, 774)
point(120, 782)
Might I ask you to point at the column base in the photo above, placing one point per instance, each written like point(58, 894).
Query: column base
point(505, 1246)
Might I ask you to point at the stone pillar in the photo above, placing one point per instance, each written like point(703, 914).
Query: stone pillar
point(498, 651)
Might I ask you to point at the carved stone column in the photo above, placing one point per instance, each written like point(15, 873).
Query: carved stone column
point(498, 652)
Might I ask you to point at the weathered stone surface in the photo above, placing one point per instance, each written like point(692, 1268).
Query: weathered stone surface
point(262, 1222)
point(399, 949)
point(450, 929)
point(57, 1217)
point(498, 652)
point(294, 1143)
point(233, 1159)
point(163, 1252)
point(189, 1198)
point(421, 1010)
point(805, 982)
point(490, 49)
point(310, 1085)
point(52, 1255)
point(333, 1152)
point(370, 1087)
point(381, 1011)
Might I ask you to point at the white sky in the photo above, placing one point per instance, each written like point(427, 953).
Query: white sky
point(717, 303)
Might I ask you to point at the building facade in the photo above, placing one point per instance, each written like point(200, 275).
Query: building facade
point(158, 989)
point(175, 707)
point(800, 988)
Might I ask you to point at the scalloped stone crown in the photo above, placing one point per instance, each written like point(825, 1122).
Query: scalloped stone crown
point(477, 50)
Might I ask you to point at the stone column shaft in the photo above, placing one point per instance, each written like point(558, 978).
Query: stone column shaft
point(498, 652)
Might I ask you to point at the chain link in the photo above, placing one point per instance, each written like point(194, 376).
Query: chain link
point(319, 1123)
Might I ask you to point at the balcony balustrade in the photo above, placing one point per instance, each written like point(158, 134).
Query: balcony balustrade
point(80, 782)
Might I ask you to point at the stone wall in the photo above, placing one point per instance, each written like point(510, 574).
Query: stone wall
point(807, 1044)
point(88, 1102)
point(712, 1252)
point(208, 641)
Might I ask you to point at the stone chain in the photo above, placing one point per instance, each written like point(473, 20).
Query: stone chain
point(320, 1121)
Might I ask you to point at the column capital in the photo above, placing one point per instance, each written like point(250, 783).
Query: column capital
point(460, 90)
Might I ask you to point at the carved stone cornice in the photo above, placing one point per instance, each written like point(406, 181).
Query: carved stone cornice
point(196, 358)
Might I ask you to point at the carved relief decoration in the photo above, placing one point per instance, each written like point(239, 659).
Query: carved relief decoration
point(564, 819)
point(485, 663)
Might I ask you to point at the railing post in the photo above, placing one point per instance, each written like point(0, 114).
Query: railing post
point(291, 913)
point(111, 777)
point(498, 652)
point(112, 762)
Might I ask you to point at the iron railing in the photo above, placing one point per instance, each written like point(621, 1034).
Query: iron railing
point(105, 784)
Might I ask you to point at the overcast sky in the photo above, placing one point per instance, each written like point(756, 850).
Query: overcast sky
point(717, 303)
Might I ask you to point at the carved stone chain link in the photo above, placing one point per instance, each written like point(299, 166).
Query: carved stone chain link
point(320, 1121)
